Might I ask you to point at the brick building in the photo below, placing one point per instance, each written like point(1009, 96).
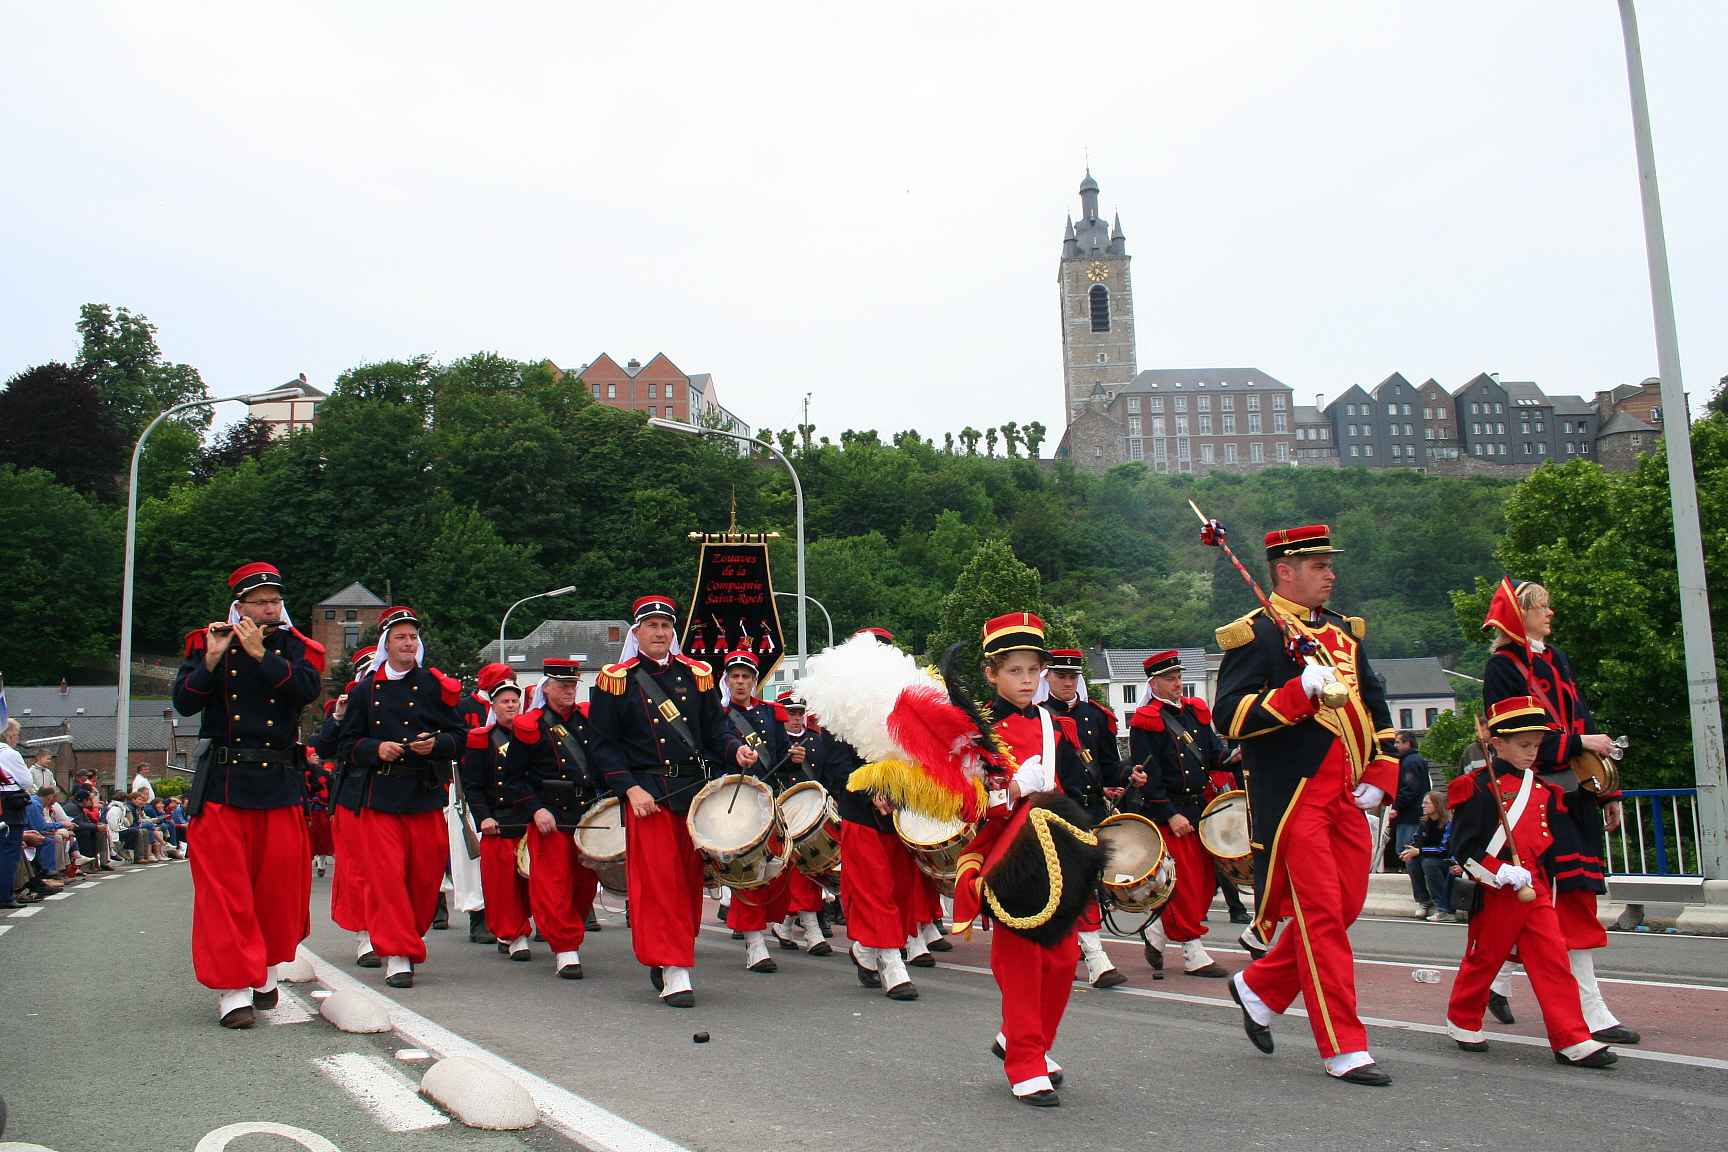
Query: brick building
point(1189, 420)
point(340, 620)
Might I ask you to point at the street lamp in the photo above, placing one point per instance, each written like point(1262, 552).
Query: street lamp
point(123, 700)
point(825, 615)
point(564, 591)
point(798, 496)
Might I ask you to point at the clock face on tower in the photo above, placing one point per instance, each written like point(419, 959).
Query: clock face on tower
point(1098, 271)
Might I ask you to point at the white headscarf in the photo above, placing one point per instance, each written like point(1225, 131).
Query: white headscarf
point(1042, 692)
point(234, 613)
point(381, 657)
point(632, 646)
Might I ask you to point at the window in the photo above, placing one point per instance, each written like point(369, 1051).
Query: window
point(1475, 429)
point(1203, 404)
point(1431, 715)
point(1280, 422)
point(1349, 409)
point(1157, 404)
point(1136, 450)
point(1526, 447)
point(1181, 425)
point(1301, 433)
point(653, 391)
point(1134, 404)
point(1099, 297)
point(1130, 693)
point(1229, 453)
point(611, 391)
point(1539, 427)
point(1206, 456)
point(1157, 425)
point(351, 636)
point(1474, 408)
point(1406, 718)
point(1499, 429)
point(1501, 450)
point(351, 614)
point(596, 388)
point(1133, 425)
point(1253, 403)
point(329, 613)
point(1325, 433)
point(1254, 422)
point(1180, 404)
point(1499, 409)
point(1542, 448)
point(1524, 428)
point(1283, 452)
point(1566, 427)
point(1277, 403)
point(1227, 403)
point(1397, 451)
point(1367, 449)
point(1406, 409)
point(1476, 448)
point(1427, 413)
point(1351, 430)
point(1182, 450)
point(1257, 452)
point(1355, 451)
point(1103, 357)
point(1570, 448)
point(1229, 424)
point(1205, 423)
point(671, 393)
point(1428, 433)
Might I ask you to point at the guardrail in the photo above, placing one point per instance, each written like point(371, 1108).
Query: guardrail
point(1659, 826)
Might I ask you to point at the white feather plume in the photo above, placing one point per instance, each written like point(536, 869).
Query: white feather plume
point(853, 686)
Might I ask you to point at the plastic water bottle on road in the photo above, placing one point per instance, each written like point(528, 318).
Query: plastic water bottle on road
point(1425, 975)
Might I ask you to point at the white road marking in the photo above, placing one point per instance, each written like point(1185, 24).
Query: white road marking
point(86, 884)
point(59, 896)
point(413, 1054)
point(1382, 1022)
point(25, 913)
point(385, 1093)
point(219, 1140)
point(290, 1009)
point(582, 1120)
point(5, 928)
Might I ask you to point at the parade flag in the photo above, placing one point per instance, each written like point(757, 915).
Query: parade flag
point(733, 604)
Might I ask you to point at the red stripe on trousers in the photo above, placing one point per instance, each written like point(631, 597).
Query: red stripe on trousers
point(877, 879)
point(560, 889)
point(251, 891)
point(1576, 911)
point(1534, 929)
point(405, 857)
point(1323, 861)
point(348, 882)
point(1036, 982)
point(505, 891)
point(1195, 883)
point(664, 883)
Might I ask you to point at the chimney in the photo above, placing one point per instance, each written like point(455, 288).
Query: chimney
point(633, 363)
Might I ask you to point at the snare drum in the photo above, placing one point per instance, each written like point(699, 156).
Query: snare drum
point(1224, 834)
point(600, 843)
point(936, 845)
point(1139, 875)
point(735, 825)
point(813, 825)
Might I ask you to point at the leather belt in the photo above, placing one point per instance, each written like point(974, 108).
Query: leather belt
point(688, 770)
point(267, 757)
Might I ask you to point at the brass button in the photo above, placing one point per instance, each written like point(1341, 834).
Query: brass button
point(236, 715)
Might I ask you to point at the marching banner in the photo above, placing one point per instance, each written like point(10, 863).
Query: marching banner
point(733, 605)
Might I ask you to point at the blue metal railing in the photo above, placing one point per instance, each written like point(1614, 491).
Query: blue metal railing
point(1671, 829)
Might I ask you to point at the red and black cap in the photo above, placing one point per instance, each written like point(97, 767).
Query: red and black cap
point(882, 634)
point(1067, 660)
point(655, 605)
point(394, 615)
point(792, 701)
point(492, 677)
point(249, 576)
point(363, 657)
point(1293, 543)
point(743, 658)
point(561, 668)
point(1159, 663)
point(1518, 714)
point(1012, 632)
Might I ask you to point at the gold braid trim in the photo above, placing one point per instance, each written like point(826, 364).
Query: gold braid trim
point(1041, 819)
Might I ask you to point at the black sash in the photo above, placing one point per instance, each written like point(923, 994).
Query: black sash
point(1185, 739)
point(573, 752)
point(745, 727)
point(668, 711)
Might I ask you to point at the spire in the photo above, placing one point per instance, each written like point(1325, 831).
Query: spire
point(1088, 197)
point(1070, 242)
point(1118, 239)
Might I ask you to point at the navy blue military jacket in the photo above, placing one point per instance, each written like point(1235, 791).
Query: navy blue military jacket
point(635, 746)
point(484, 782)
point(772, 750)
point(254, 705)
point(1100, 764)
point(381, 710)
point(542, 771)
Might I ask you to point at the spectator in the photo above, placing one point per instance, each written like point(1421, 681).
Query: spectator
point(142, 781)
point(14, 799)
point(159, 811)
point(1405, 811)
point(68, 858)
point(42, 768)
point(178, 821)
point(89, 827)
point(56, 839)
point(1429, 858)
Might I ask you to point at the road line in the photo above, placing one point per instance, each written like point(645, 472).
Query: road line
point(26, 913)
point(5, 928)
point(86, 884)
point(580, 1119)
point(388, 1096)
point(290, 1009)
point(59, 896)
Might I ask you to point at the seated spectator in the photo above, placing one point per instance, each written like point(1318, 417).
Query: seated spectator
point(139, 834)
point(90, 829)
point(118, 816)
point(55, 836)
point(15, 784)
point(68, 858)
point(178, 821)
point(1428, 856)
point(161, 811)
point(141, 782)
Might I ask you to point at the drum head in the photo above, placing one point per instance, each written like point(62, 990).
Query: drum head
point(916, 828)
point(715, 828)
point(1136, 848)
point(802, 807)
point(1224, 826)
point(600, 835)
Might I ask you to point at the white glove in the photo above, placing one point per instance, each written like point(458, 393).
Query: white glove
point(1512, 876)
point(1367, 796)
point(1316, 677)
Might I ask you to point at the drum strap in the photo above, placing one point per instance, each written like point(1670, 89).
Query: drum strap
point(745, 726)
point(668, 711)
point(573, 752)
point(1184, 740)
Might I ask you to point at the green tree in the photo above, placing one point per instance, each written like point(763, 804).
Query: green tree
point(52, 417)
point(1451, 735)
point(990, 441)
point(60, 582)
point(994, 581)
point(948, 443)
point(465, 572)
point(969, 437)
point(120, 351)
point(1034, 434)
point(1011, 438)
point(788, 440)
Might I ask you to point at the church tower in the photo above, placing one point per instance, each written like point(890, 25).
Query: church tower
point(1097, 305)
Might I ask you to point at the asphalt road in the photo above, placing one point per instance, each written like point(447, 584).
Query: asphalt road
point(806, 1057)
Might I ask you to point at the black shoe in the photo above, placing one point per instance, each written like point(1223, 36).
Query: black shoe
point(1252, 943)
point(441, 918)
point(592, 924)
point(786, 942)
point(1240, 916)
point(922, 960)
point(241, 1017)
point(905, 991)
point(1501, 1008)
point(1109, 978)
point(1155, 958)
point(1212, 971)
point(477, 932)
point(822, 923)
point(941, 944)
point(106, 868)
point(503, 947)
point(521, 957)
point(737, 935)
point(1473, 1045)
point(821, 948)
point(1618, 1034)
point(684, 999)
point(1259, 1035)
point(570, 972)
point(724, 908)
point(1369, 1075)
point(1601, 1058)
point(657, 978)
point(538, 939)
point(866, 976)
point(400, 979)
point(1046, 1098)
point(369, 960)
point(765, 965)
point(265, 1000)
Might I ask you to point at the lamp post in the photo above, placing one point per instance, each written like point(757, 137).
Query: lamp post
point(564, 591)
point(798, 497)
point(825, 615)
point(123, 699)
point(1703, 692)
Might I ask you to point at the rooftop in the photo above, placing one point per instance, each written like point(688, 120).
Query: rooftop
point(29, 703)
point(1127, 663)
point(356, 595)
point(1417, 676)
point(1158, 379)
point(589, 640)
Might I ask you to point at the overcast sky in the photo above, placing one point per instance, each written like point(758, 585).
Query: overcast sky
point(863, 202)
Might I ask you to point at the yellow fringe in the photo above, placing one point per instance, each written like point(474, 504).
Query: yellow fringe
point(908, 786)
point(1041, 819)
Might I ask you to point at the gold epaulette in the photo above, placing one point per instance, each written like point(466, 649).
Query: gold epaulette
point(1238, 632)
point(704, 673)
point(1358, 626)
point(613, 678)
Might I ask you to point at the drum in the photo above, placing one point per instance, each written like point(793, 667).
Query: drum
point(600, 843)
point(522, 856)
point(1597, 775)
point(936, 845)
point(1139, 875)
point(813, 825)
point(735, 825)
point(1224, 833)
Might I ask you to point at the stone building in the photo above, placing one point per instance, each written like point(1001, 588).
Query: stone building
point(1622, 439)
point(1095, 299)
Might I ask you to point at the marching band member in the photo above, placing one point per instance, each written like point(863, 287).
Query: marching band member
point(500, 813)
point(348, 882)
point(655, 721)
point(1523, 663)
point(803, 751)
point(1312, 771)
point(317, 807)
point(400, 736)
point(1096, 789)
point(247, 680)
point(1175, 750)
point(462, 884)
point(1503, 820)
point(753, 722)
point(550, 767)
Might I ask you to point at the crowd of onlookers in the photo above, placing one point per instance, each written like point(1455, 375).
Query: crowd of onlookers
point(48, 836)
